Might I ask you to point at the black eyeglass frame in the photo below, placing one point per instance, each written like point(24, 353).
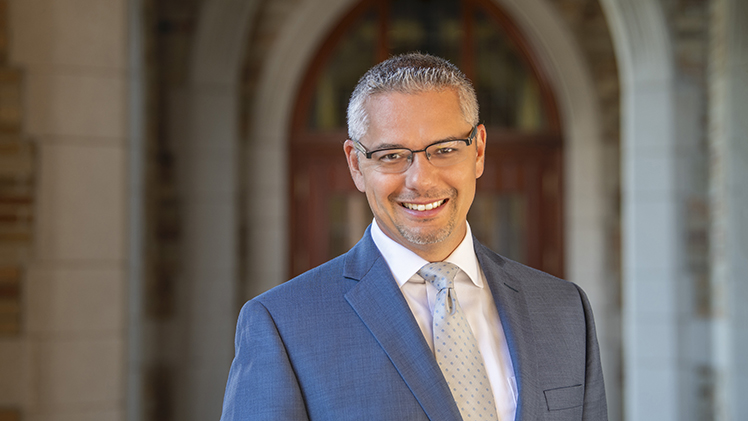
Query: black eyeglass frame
point(469, 141)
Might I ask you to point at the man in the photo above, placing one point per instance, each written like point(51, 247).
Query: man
point(418, 321)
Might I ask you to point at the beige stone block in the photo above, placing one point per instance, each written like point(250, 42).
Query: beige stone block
point(81, 371)
point(69, 32)
point(81, 203)
point(81, 105)
point(78, 300)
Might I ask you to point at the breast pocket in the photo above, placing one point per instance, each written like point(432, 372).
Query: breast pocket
point(564, 397)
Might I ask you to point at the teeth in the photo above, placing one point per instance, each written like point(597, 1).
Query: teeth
point(425, 207)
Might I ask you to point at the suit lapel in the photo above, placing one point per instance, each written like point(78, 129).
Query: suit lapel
point(381, 306)
point(517, 323)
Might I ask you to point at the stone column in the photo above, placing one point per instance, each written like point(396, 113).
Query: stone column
point(74, 54)
point(651, 227)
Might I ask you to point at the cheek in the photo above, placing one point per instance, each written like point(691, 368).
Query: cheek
point(373, 187)
point(380, 190)
point(465, 186)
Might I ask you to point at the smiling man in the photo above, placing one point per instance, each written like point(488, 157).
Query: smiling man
point(418, 321)
point(419, 200)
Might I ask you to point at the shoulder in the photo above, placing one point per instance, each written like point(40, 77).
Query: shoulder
point(322, 279)
point(331, 279)
point(532, 282)
point(319, 292)
point(302, 308)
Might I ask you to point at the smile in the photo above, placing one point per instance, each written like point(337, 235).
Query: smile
point(421, 207)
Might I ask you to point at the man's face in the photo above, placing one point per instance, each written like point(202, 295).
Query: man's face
point(415, 121)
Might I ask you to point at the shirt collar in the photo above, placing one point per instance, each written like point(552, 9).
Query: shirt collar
point(404, 263)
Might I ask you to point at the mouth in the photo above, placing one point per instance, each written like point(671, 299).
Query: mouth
point(421, 207)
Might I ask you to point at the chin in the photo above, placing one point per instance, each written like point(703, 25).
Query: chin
point(426, 237)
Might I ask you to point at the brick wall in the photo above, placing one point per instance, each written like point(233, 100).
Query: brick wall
point(17, 179)
point(16, 215)
point(17, 168)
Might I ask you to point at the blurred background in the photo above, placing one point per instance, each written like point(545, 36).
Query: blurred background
point(163, 161)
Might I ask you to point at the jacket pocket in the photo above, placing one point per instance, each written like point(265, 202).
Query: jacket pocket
point(564, 397)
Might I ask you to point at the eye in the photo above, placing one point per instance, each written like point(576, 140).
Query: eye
point(444, 150)
point(390, 156)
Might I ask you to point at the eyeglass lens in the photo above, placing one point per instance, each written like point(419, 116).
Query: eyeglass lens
point(442, 154)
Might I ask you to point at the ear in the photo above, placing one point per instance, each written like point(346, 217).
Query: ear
point(352, 156)
point(480, 144)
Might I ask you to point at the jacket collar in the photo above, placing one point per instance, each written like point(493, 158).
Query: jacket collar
point(516, 320)
point(380, 304)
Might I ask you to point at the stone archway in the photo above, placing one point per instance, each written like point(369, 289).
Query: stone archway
point(212, 167)
point(651, 251)
point(564, 63)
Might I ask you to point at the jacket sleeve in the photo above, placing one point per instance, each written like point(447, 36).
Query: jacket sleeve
point(262, 384)
point(595, 406)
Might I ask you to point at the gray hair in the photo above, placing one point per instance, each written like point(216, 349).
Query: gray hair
point(409, 73)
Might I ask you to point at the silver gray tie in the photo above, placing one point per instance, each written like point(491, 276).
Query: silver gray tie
point(456, 349)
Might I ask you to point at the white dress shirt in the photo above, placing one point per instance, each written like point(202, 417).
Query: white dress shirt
point(475, 299)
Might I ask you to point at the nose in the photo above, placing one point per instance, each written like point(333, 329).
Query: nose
point(421, 174)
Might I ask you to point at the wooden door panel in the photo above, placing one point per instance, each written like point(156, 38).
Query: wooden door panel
point(329, 212)
point(528, 180)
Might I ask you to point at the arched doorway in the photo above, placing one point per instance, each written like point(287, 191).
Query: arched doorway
point(518, 209)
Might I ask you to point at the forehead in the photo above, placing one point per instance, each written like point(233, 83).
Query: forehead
point(423, 116)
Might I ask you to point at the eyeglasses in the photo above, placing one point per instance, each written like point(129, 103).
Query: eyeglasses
point(443, 153)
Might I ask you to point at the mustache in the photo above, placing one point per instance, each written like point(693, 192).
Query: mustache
point(428, 195)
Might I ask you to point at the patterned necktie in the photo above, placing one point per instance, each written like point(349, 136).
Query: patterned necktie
point(456, 348)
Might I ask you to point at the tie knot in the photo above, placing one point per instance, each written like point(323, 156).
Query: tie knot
point(440, 274)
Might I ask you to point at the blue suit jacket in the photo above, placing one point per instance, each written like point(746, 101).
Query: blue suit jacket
point(340, 343)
